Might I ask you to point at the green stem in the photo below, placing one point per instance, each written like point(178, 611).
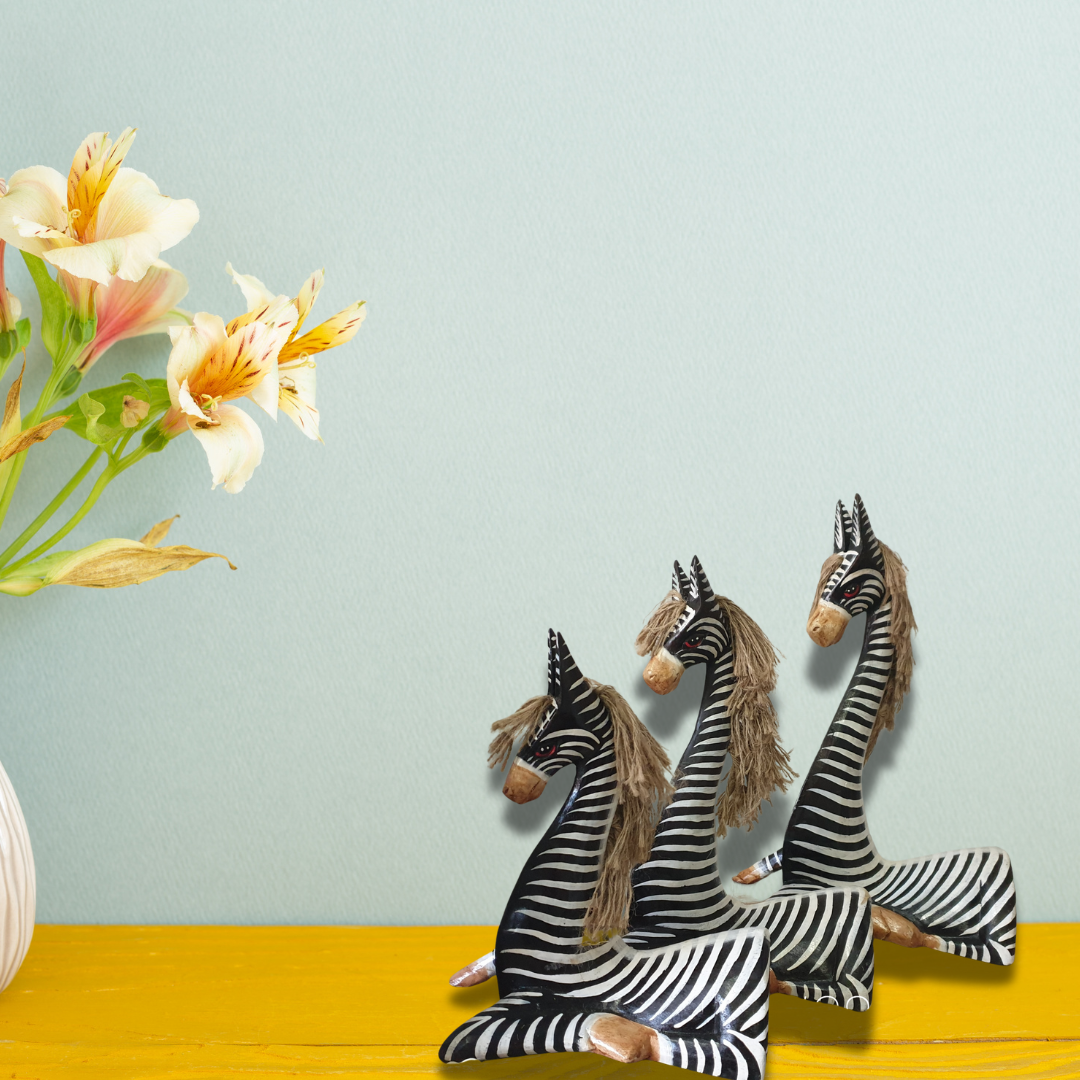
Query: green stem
point(108, 474)
point(34, 527)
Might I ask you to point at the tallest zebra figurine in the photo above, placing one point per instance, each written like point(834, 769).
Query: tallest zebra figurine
point(960, 902)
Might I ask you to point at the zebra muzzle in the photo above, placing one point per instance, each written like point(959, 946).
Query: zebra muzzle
point(827, 623)
point(523, 785)
point(663, 672)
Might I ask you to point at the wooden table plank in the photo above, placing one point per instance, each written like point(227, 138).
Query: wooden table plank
point(186, 1002)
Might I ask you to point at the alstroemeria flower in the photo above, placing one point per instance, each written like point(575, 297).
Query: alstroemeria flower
point(211, 365)
point(102, 222)
point(128, 309)
point(296, 369)
point(10, 308)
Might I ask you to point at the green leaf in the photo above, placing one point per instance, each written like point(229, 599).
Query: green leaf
point(99, 419)
point(94, 431)
point(140, 382)
point(9, 345)
point(55, 308)
point(23, 328)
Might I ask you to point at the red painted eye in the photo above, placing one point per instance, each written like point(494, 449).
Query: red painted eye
point(547, 753)
point(692, 642)
point(851, 589)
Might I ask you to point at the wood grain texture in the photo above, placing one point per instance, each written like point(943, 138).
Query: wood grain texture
point(197, 1002)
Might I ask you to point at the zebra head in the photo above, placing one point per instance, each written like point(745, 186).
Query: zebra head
point(857, 581)
point(701, 634)
point(570, 732)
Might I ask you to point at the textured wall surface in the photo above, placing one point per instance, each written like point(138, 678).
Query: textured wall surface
point(643, 282)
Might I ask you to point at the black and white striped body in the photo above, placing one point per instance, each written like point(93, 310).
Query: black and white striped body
point(820, 940)
point(707, 998)
point(965, 898)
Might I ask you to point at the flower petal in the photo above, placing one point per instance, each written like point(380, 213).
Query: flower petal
point(191, 345)
point(277, 312)
point(127, 309)
point(234, 447)
point(34, 196)
point(236, 367)
point(93, 169)
point(296, 398)
point(306, 297)
point(148, 222)
point(186, 404)
point(255, 292)
point(335, 331)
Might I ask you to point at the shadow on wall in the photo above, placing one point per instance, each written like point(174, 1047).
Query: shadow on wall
point(532, 818)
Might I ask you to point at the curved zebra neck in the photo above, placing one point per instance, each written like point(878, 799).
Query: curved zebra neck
point(843, 749)
point(689, 820)
point(543, 921)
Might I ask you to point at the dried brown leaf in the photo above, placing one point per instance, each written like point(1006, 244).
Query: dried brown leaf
point(158, 532)
point(12, 418)
point(116, 563)
point(25, 439)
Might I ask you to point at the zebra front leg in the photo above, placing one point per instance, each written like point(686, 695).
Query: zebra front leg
point(475, 973)
point(761, 869)
point(888, 926)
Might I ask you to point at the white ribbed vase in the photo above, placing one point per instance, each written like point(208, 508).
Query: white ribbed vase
point(18, 887)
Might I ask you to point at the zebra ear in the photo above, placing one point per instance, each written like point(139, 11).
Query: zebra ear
point(843, 537)
point(704, 589)
point(865, 540)
point(554, 677)
point(680, 583)
point(576, 691)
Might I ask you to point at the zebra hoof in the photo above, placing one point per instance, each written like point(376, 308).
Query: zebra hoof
point(475, 973)
point(888, 926)
point(748, 876)
point(623, 1040)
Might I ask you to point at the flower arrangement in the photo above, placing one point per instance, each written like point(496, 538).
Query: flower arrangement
point(103, 229)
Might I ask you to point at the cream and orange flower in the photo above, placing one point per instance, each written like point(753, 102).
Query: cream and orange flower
point(211, 365)
point(296, 369)
point(102, 222)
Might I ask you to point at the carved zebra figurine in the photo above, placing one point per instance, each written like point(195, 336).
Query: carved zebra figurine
point(960, 902)
point(702, 1005)
point(820, 940)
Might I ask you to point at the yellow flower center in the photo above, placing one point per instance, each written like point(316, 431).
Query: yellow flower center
point(209, 403)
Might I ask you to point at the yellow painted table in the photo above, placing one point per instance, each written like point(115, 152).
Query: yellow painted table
point(222, 1001)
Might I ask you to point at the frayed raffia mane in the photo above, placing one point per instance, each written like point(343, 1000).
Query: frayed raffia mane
point(759, 762)
point(642, 789)
point(659, 624)
point(903, 626)
point(518, 727)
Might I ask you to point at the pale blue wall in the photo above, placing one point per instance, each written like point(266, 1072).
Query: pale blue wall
point(644, 281)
